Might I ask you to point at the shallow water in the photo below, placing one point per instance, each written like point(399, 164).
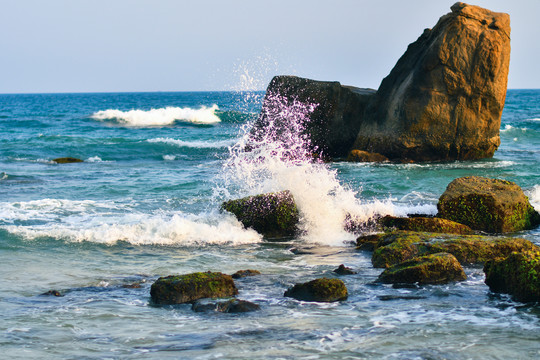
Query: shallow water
point(145, 203)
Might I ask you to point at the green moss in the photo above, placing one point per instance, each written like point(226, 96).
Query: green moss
point(399, 246)
point(436, 268)
point(321, 290)
point(177, 289)
point(273, 214)
point(518, 275)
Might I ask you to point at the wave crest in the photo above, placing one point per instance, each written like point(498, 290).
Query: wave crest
point(159, 117)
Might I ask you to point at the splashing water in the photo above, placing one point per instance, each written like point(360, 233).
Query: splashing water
point(278, 157)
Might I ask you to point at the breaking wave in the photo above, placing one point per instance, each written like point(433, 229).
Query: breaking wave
point(159, 117)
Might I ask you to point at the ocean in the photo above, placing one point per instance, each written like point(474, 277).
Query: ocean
point(146, 202)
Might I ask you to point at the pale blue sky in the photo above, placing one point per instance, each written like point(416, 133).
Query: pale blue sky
point(174, 45)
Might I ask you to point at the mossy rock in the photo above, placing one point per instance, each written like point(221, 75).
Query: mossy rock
point(344, 270)
point(179, 289)
point(518, 274)
point(67, 160)
point(439, 268)
point(491, 205)
point(245, 273)
point(426, 224)
point(274, 215)
point(399, 246)
point(368, 242)
point(321, 290)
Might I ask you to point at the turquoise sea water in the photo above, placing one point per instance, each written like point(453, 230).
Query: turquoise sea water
point(145, 203)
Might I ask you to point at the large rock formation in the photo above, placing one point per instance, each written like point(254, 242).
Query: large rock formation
point(442, 101)
point(329, 113)
point(444, 98)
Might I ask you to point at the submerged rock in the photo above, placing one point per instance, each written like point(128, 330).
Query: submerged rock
point(399, 246)
point(52, 293)
point(245, 273)
point(490, 205)
point(330, 128)
point(426, 224)
point(320, 290)
point(273, 215)
point(444, 98)
point(229, 306)
point(179, 289)
point(67, 160)
point(343, 270)
point(439, 268)
point(518, 275)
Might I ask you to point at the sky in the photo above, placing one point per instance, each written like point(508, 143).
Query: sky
point(200, 45)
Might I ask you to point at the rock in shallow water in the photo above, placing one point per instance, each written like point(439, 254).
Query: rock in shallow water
point(274, 215)
point(439, 268)
point(399, 246)
point(245, 273)
point(490, 205)
point(320, 290)
point(229, 306)
point(179, 289)
point(518, 275)
point(67, 160)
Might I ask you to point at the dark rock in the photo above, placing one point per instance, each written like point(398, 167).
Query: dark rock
point(179, 289)
point(399, 246)
point(320, 290)
point(244, 273)
point(518, 275)
point(52, 293)
point(132, 286)
point(439, 268)
point(364, 156)
point(368, 242)
point(400, 297)
point(444, 98)
point(229, 306)
point(490, 205)
point(343, 270)
point(425, 224)
point(330, 128)
point(66, 160)
point(272, 215)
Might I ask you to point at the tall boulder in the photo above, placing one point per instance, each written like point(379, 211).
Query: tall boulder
point(444, 98)
point(327, 113)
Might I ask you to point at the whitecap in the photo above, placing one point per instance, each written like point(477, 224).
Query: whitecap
point(159, 117)
point(169, 157)
point(534, 197)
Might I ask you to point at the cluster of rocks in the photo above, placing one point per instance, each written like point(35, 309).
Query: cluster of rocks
point(443, 100)
point(473, 212)
point(215, 291)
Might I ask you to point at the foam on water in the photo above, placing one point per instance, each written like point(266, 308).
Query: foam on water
point(534, 197)
point(159, 117)
point(108, 223)
point(280, 159)
point(193, 144)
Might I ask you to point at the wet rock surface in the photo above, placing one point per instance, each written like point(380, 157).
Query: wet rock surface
point(320, 290)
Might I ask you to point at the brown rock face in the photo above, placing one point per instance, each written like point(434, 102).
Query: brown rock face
point(331, 118)
point(444, 98)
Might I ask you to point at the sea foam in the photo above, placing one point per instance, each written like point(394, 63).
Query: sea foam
point(194, 143)
point(281, 159)
point(159, 117)
point(534, 197)
point(110, 222)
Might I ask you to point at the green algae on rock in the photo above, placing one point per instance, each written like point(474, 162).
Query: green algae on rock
point(518, 275)
point(321, 290)
point(273, 215)
point(179, 289)
point(491, 205)
point(66, 160)
point(399, 246)
point(439, 268)
point(427, 224)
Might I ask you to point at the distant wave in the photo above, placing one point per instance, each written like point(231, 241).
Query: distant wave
point(194, 144)
point(159, 117)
